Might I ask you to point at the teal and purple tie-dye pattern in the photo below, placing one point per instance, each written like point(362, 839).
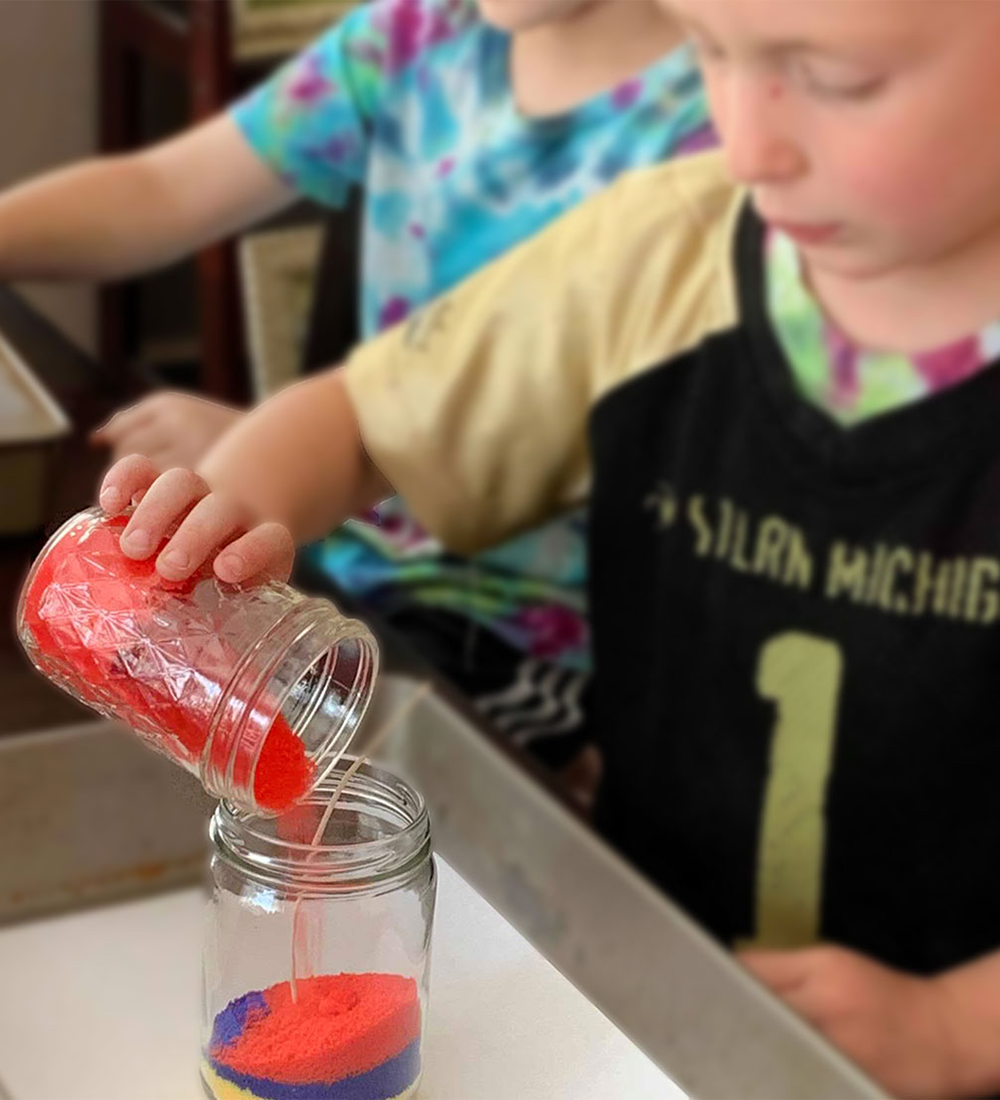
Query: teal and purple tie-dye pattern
point(411, 100)
point(848, 382)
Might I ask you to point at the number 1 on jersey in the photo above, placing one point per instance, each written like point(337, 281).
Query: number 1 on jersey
point(801, 674)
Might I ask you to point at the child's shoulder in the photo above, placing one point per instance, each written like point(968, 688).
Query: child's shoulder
point(684, 211)
point(664, 246)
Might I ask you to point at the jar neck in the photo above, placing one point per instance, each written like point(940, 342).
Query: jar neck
point(377, 838)
point(314, 669)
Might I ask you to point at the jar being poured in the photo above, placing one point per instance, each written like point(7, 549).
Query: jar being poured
point(257, 691)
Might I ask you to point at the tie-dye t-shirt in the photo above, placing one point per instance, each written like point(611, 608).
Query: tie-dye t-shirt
point(412, 100)
point(852, 383)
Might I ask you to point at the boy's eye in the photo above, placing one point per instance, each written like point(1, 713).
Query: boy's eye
point(835, 82)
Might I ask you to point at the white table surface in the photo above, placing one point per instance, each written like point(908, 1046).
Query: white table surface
point(75, 991)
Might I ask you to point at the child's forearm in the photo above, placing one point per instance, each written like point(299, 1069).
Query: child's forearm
point(298, 459)
point(102, 219)
point(117, 216)
point(972, 1000)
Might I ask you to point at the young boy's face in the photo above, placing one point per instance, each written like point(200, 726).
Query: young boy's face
point(867, 128)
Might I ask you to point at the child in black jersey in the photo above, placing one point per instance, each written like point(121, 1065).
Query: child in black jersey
point(795, 531)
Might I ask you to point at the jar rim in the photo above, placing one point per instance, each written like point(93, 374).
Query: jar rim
point(252, 682)
point(252, 841)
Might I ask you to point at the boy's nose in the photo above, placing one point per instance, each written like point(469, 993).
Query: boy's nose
point(758, 148)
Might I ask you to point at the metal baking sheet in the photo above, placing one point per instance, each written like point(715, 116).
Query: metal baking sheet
point(28, 412)
point(677, 994)
point(88, 814)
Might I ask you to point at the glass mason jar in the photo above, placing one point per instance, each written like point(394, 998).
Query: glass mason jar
point(351, 918)
point(256, 690)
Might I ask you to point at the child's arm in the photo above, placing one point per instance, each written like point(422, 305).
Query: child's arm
point(305, 131)
point(111, 217)
point(918, 1037)
point(299, 459)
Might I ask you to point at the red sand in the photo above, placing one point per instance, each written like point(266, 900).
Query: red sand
point(284, 772)
point(341, 1024)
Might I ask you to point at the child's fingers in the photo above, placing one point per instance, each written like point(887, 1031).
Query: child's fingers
point(266, 552)
point(168, 499)
point(209, 524)
point(127, 477)
point(781, 971)
point(123, 421)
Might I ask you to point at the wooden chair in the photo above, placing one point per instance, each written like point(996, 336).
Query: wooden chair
point(192, 38)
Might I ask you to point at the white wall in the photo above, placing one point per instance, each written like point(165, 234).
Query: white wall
point(48, 116)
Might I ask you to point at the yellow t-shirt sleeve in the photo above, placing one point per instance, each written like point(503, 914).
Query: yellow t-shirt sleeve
point(476, 409)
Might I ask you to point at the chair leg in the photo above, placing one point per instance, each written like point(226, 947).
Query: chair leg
point(212, 84)
point(120, 88)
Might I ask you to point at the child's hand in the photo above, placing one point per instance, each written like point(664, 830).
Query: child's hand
point(173, 429)
point(209, 523)
point(895, 1026)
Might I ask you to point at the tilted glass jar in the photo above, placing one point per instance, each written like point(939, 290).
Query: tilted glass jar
point(257, 690)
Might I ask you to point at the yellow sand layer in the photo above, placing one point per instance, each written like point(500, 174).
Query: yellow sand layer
point(221, 1089)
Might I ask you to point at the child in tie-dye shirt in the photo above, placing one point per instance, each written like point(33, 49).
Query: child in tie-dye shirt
point(417, 100)
point(470, 127)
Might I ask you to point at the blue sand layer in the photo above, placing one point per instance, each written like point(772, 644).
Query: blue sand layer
point(383, 1082)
